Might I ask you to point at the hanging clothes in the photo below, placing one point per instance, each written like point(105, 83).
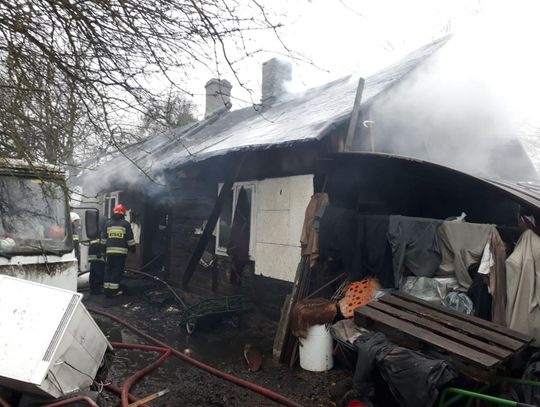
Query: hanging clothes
point(481, 298)
point(462, 245)
point(497, 278)
point(373, 254)
point(337, 236)
point(414, 246)
point(523, 293)
point(238, 247)
point(359, 242)
point(309, 238)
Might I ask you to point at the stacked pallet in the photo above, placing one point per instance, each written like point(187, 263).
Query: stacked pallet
point(475, 347)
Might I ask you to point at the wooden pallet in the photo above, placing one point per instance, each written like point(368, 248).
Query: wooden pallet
point(476, 347)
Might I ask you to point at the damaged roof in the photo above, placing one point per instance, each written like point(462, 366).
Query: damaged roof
point(299, 117)
point(295, 118)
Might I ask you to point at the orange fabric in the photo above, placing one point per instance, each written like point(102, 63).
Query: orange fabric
point(357, 294)
point(310, 237)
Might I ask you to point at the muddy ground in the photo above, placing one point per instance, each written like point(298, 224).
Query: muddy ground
point(221, 346)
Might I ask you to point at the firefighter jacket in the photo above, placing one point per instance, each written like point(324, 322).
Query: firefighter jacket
point(95, 251)
point(117, 236)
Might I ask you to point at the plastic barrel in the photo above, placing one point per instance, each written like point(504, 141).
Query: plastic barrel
point(316, 350)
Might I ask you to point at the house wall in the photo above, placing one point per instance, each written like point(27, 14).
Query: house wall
point(279, 207)
point(191, 202)
point(281, 204)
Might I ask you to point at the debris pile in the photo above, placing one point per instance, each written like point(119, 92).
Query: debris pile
point(422, 303)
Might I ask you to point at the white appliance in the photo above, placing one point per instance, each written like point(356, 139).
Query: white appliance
point(49, 343)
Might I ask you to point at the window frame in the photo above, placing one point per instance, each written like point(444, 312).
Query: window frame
point(222, 251)
point(107, 207)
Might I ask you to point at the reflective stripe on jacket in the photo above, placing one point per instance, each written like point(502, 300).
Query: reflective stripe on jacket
point(117, 236)
point(95, 251)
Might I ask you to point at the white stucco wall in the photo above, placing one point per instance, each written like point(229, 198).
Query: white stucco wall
point(281, 205)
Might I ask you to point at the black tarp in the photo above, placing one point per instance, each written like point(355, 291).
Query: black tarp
point(413, 378)
point(373, 253)
point(359, 242)
point(526, 393)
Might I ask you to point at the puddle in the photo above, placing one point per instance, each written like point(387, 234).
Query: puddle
point(115, 333)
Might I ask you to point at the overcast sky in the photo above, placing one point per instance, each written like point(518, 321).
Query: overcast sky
point(343, 37)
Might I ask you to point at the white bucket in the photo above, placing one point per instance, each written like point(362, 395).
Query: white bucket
point(316, 350)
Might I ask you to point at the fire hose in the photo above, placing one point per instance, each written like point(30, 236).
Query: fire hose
point(71, 400)
point(166, 353)
point(278, 398)
point(142, 273)
point(115, 389)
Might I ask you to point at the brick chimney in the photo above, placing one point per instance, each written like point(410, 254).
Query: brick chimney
point(218, 96)
point(275, 74)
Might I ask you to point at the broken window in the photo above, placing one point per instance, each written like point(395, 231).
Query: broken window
point(33, 217)
point(225, 222)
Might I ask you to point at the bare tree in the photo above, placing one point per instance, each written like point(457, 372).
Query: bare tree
point(75, 71)
point(170, 112)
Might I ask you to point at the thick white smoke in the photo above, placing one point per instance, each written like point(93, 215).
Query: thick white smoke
point(466, 108)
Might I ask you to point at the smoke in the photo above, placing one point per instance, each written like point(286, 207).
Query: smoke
point(466, 107)
point(119, 174)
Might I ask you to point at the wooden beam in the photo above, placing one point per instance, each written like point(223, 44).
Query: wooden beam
point(149, 398)
point(211, 223)
point(440, 329)
point(473, 328)
point(429, 337)
point(355, 115)
point(283, 331)
point(476, 321)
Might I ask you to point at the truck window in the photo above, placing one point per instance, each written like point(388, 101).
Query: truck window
point(33, 217)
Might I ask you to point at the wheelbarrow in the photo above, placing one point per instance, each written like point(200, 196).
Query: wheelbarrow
point(213, 310)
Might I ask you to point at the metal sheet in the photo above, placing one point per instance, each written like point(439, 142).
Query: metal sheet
point(525, 193)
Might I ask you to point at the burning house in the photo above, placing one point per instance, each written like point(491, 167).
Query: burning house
point(237, 183)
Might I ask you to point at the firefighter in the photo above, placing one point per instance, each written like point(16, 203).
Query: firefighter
point(75, 227)
point(96, 258)
point(117, 236)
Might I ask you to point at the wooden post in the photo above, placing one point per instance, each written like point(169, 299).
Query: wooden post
point(211, 224)
point(355, 115)
point(370, 132)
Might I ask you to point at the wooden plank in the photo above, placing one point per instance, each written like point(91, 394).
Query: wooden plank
point(462, 325)
point(282, 329)
point(211, 223)
point(428, 337)
point(355, 115)
point(437, 328)
point(474, 372)
point(475, 320)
